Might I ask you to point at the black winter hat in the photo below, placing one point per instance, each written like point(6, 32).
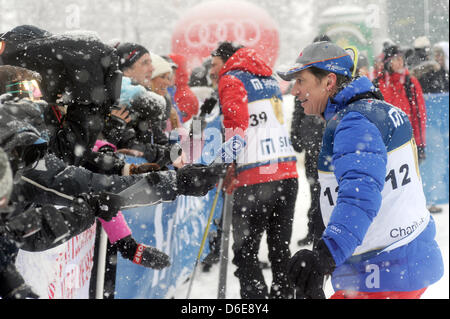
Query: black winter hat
point(226, 49)
point(24, 33)
point(391, 51)
point(129, 53)
point(322, 37)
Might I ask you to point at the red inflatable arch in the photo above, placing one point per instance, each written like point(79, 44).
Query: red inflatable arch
point(200, 29)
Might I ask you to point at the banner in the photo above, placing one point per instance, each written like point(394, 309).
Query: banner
point(175, 228)
point(435, 169)
point(62, 272)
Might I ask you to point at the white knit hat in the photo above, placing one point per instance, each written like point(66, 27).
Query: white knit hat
point(160, 65)
point(422, 43)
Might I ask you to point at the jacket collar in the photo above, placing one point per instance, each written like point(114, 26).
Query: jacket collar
point(358, 86)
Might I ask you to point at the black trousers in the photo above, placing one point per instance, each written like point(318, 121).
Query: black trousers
point(257, 208)
point(315, 222)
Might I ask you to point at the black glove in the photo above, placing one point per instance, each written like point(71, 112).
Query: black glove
point(142, 254)
point(171, 153)
point(307, 269)
point(106, 161)
point(162, 155)
point(198, 179)
point(23, 224)
point(207, 106)
point(46, 219)
point(421, 154)
point(12, 285)
point(105, 205)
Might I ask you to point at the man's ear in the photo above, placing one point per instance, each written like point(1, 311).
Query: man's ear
point(2, 46)
point(331, 81)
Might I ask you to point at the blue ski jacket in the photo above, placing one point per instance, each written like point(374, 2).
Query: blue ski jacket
point(378, 228)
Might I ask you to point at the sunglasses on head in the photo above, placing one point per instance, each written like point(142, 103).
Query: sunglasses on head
point(25, 89)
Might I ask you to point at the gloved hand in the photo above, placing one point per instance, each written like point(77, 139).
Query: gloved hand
point(105, 205)
point(151, 257)
point(121, 116)
point(23, 224)
point(421, 154)
point(307, 269)
point(162, 155)
point(198, 179)
point(41, 228)
point(207, 106)
point(229, 181)
point(171, 153)
point(12, 285)
point(105, 161)
point(142, 254)
point(116, 125)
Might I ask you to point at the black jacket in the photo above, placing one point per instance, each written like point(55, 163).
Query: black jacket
point(306, 130)
point(432, 77)
point(78, 71)
point(81, 67)
point(52, 173)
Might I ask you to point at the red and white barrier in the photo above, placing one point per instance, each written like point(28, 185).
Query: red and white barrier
point(63, 272)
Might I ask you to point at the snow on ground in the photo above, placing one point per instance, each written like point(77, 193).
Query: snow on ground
point(205, 285)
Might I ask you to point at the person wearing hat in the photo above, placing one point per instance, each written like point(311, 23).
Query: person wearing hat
point(442, 76)
point(162, 79)
point(405, 92)
point(265, 180)
point(420, 52)
point(431, 74)
point(137, 67)
point(140, 132)
point(161, 76)
point(135, 62)
point(379, 236)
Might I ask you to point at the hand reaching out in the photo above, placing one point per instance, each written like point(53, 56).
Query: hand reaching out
point(122, 114)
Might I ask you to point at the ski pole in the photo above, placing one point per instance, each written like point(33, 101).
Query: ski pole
point(100, 284)
point(224, 243)
point(205, 235)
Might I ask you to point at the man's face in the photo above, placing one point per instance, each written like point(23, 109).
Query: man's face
point(311, 92)
point(141, 71)
point(216, 66)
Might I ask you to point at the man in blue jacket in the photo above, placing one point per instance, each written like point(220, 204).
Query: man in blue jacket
point(379, 236)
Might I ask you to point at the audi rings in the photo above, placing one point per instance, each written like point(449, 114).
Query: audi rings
point(245, 32)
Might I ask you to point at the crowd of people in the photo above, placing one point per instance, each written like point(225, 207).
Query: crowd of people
point(67, 123)
point(73, 108)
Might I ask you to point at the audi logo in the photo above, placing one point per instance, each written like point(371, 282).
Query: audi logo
point(245, 32)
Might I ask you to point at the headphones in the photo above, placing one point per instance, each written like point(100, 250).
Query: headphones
point(354, 54)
